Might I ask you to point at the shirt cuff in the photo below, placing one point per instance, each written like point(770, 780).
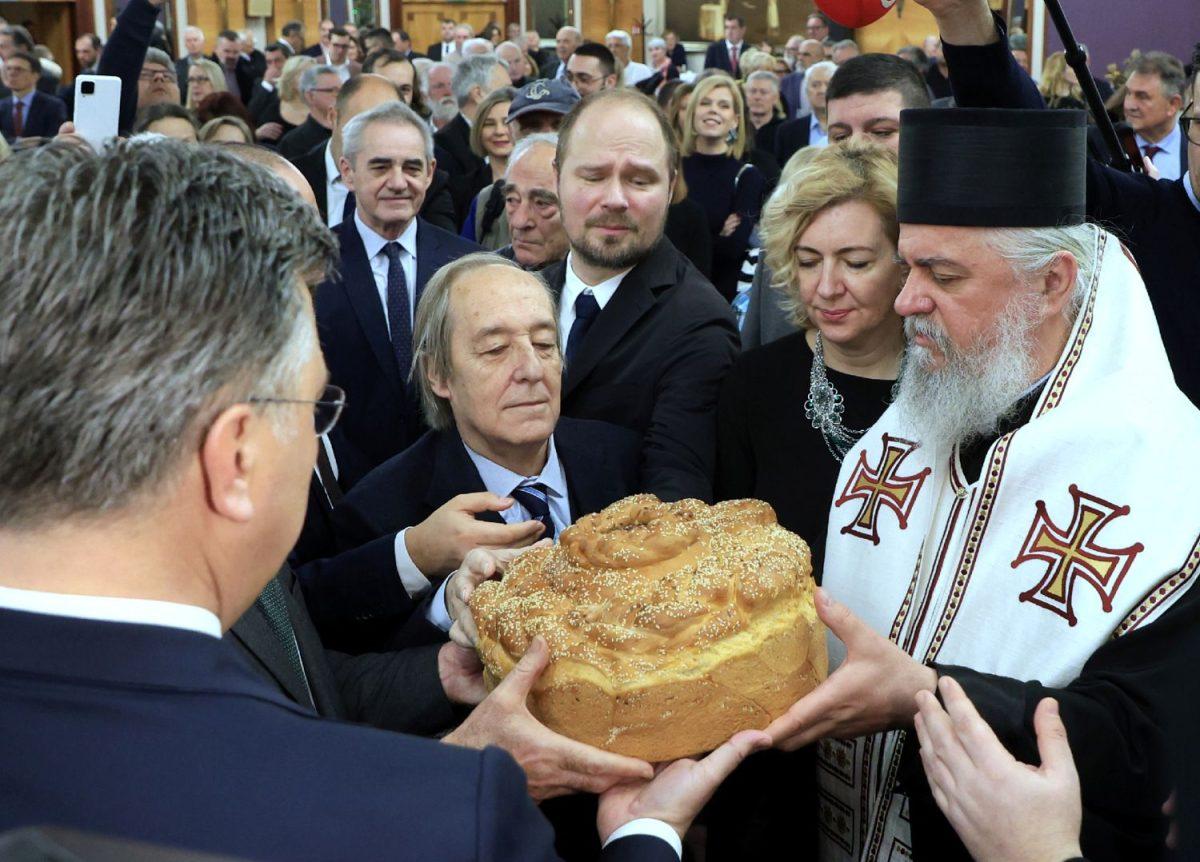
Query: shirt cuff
point(652, 827)
point(414, 582)
point(437, 613)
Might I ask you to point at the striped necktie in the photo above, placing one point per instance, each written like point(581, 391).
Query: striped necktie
point(531, 494)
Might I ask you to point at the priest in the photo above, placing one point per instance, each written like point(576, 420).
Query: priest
point(1023, 517)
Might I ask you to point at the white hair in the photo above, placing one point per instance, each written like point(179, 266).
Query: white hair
point(476, 47)
point(656, 42)
point(623, 37)
point(1029, 251)
point(527, 144)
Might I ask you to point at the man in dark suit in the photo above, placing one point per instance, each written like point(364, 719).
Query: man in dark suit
point(321, 49)
point(256, 58)
point(388, 255)
point(239, 71)
point(319, 86)
point(1159, 220)
point(467, 483)
point(648, 338)
point(474, 78)
point(193, 43)
point(440, 51)
point(264, 103)
point(28, 113)
point(110, 631)
point(727, 53)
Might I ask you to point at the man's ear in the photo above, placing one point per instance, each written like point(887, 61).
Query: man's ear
point(347, 172)
point(228, 456)
point(1058, 282)
point(441, 388)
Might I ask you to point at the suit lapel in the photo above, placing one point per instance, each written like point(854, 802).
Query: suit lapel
point(359, 283)
point(454, 473)
point(255, 634)
point(430, 257)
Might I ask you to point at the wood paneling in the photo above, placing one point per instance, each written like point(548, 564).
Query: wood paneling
point(306, 11)
point(600, 16)
point(51, 24)
point(423, 20)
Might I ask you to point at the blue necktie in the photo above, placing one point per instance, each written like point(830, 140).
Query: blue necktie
point(586, 311)
point(532, 496)
point(399, 324)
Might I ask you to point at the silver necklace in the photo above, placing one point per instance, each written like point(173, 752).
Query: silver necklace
point(824, 407)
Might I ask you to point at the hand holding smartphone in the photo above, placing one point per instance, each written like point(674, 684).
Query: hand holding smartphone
point(97, 109)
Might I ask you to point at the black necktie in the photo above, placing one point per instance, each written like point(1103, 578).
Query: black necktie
point(586, 311)
point(532, 495)
point(273, 604)
point(399, 322)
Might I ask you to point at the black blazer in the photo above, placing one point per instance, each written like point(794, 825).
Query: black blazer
point(792, 135)
point(227, 765)
point(717, 56)
point(435, 52)
point(454, 142)
point(243, 71)
point(381, 416)
point(263, 103)
point(599, 460)
point(303, 138)
point(437, 209)
point(653, 361)
point(45, 115)
point(398, 690)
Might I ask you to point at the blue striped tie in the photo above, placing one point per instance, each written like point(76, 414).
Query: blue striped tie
point(532, 496)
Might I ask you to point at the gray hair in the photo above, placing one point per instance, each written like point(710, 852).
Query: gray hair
point(1169, 69)
point(395, 113)
point(432, 331)
point(526, 144)
point(476, 46)
point(763, 75)
point(1030, 250)
point(656, 42)
point(429, 70)
point(846, 43)
point(823, 66)
point(192, 28)
point(472, 72)
point(520, 51)
point(159, 57)
point(308, 78)
point(621, 36)
point(114, 357)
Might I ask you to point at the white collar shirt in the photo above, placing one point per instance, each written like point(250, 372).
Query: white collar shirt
point(573, 286)
point(1166, 160)
point(374, 244)
point(817, 137)
point(335, 192)
point(501, 481)
point(113, 610)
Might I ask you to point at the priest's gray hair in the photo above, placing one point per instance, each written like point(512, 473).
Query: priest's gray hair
point(432, 331)
point(1029, 251)
point(394, 113)
point(139, 319)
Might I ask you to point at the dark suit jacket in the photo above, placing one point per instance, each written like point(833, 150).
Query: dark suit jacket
point(263, 102)
point(435, 52)
point(305, 137)
point(438, 208)
point(792, 135)
point(791, 90)
point(45, 115)
point(245, 73)
point(381, 417)
point(717, 56)
point(653, 361)
point(315, 50)
point(225, 764)
point(398, 690)
point(1155, 218)
point(454, 142)
point(181, 73)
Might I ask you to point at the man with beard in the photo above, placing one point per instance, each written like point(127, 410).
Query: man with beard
point(1014, 520)
point(648, 338)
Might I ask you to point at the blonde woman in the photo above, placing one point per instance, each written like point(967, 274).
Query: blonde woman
point(226, 130)
point(1060, 86)
point(728, 188)
point(492, 141)
point(292, 110)
point(204, 78)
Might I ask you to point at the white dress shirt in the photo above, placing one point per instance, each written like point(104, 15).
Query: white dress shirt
point(1166, 160)
point(335, 197)
point(817, 137)
point(635, 72)
point(573, 286)
point(501, 481)
point(113, 610)
point(377, 257)
point(343, 71)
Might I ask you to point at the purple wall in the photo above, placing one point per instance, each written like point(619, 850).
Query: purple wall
point(1113, 28)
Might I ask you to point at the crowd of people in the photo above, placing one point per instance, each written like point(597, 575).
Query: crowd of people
point(514, 285)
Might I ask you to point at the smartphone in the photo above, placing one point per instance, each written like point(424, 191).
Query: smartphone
point(97, 109)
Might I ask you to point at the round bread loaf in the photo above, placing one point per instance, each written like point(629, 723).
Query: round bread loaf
point(671, 626)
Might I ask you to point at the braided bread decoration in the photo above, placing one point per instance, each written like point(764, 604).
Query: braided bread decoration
point(671, 626)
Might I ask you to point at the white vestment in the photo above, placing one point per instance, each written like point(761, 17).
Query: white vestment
point(1082, 526)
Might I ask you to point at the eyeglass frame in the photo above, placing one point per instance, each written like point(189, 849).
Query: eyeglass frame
point(1186, 123)
point(165, 74)
point(337, 404)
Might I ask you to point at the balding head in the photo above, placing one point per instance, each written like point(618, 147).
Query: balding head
point(359, 95)
point(276, 164)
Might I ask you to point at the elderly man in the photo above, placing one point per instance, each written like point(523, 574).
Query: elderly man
point(566, 41)
point(499, 468)
point(388, 255)
point(321, 49)
point(319, 87)
point(474, 79)
point(844, 50)
point(177, 524)
point(193, 44)
point(791, 88)
point(621, 44)
point(977, 534)
point(531, 204)
point(514, 59)
point(762, 103)
point(439, 94)
point(648, 338)
point(462, 33)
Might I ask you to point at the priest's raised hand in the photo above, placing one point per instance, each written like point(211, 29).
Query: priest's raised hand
point(873, 689)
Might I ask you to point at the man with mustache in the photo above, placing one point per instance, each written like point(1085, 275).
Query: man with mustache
point(648, 338)
point(1016, 520)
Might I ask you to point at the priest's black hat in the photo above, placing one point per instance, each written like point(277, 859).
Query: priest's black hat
point(991, 167)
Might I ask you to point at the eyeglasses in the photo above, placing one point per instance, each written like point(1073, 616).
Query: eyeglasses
point(151, 75)
point(325, 90)
point(1188, 124)
point(580, 78)
point(326, 410)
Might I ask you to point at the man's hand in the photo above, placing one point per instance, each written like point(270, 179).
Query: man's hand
point(479, 566)
point(269, 132)
point(461, 673)
point(438, 544)
point(731, 224)
point(553, 764)
point(873, 689)
point(678, 790)
point(1001, 809)
point(963, 22)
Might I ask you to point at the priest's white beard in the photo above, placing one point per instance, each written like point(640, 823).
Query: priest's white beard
point(974, 389)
